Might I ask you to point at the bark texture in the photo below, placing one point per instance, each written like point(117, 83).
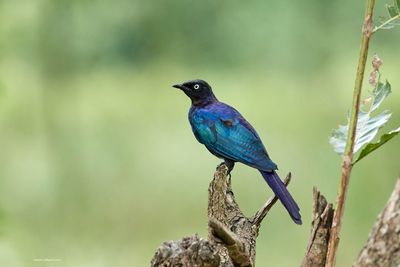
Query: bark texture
point(231, 235)
point(189, 251)
point(317, 248)
point(383, 245)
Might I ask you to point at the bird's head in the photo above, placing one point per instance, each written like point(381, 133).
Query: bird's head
point(198, 91)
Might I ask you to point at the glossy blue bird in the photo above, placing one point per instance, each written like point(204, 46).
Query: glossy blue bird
point(227, 135)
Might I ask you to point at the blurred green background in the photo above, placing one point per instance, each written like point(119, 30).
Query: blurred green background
point(98, 164)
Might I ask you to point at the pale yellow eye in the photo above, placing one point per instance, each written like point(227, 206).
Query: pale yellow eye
point(196, 86)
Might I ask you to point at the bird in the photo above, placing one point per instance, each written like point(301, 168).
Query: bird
point(229, 136)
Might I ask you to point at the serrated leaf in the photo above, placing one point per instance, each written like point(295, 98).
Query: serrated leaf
point(373, 146)
point(339, 138)
point(394, 17)
point(380, 93)
point(392, 10)
point(367, 126)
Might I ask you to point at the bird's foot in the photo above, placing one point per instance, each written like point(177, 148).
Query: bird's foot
point(230, 164)
point(219, 165)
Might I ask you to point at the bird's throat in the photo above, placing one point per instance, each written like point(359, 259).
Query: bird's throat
point(201, 102)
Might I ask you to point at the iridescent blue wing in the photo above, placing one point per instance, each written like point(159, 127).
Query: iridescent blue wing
point(227, 134)
point(236, 141)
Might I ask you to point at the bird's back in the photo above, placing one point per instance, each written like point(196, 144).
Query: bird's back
point(224, 131)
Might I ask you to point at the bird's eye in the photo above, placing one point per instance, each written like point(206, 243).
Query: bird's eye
point(196, 86)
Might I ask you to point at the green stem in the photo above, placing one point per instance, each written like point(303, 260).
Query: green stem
point(348, 154)
point(386, 23)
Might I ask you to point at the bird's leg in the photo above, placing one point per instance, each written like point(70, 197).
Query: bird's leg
point(230, 164)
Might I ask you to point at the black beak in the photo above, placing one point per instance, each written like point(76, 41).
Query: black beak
point(179, 86)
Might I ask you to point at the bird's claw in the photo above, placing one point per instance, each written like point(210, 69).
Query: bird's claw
point(219, 165)
point(229, 165)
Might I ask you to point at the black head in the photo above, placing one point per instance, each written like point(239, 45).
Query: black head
point(199, 91)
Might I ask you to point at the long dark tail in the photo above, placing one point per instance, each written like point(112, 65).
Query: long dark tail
point(283, 194)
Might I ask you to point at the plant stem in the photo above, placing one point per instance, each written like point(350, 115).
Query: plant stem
point(348, 154)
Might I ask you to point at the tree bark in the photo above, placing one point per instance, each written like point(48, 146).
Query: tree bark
point(189, 251)
point(231, 235)
point(383, 245)
point(317, 248)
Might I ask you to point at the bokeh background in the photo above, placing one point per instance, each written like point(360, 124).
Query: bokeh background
point(98, 164)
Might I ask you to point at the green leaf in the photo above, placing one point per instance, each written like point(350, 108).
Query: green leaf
point(397, 4)
point(373, 146)
point(367, 128)
point(394, 17)
point(392, 10)
point(339, 138)
point(380, 93)
point(367, 125)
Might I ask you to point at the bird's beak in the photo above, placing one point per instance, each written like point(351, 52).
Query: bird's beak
point(179, 86)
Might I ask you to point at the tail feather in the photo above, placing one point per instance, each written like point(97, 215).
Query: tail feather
point(283, 194)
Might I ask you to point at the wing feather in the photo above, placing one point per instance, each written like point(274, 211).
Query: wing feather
point(225, 133)
point(239, 143)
